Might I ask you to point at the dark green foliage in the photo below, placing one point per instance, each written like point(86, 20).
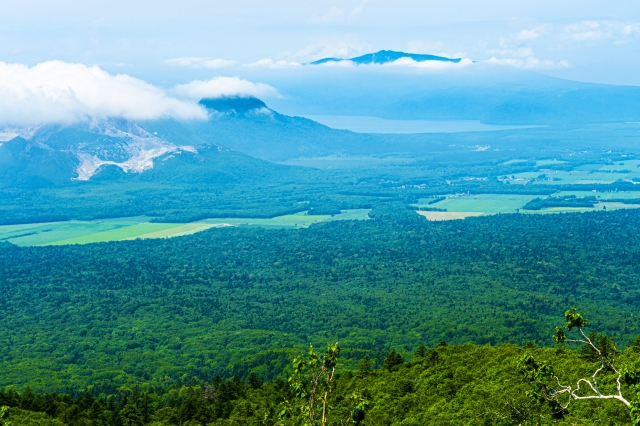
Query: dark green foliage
point(226, 301)
point(564, 201)
point(364, 366)
point(471, 384)
point(604, 343)
point(393, 360)
point(421, 352)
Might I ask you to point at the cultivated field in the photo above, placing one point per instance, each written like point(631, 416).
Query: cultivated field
point(78, 232)
point(601, 195)
point(483, 203)
point(604, 173)
point(439, 216)
point(298, 220)
point(462, 206)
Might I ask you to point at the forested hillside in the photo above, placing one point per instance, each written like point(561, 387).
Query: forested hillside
point(467, 384)
point(235, 301)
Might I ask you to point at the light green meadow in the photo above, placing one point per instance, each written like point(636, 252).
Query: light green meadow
point(299, 220)
point(118, 229)
point(484, 203)
point(601, 195)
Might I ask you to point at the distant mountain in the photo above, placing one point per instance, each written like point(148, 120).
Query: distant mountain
point(81, 150)
point(234, 104)
point(113, 148)
point(387, 56)
point(491, 94)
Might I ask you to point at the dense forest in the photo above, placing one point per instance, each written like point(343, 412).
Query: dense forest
point(235, 301)
point(434, 319)
point(465, 384)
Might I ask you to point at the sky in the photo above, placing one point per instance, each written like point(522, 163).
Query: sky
point(183, 48)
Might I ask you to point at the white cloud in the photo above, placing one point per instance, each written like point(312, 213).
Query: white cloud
point(528, 63)
point(334, 15)
point(592, 31)
point(525, 35)
point(57, 91)
point(406, 63)
point(224, 86)
point(430, 65)
point(270, 63)
point(211, 63)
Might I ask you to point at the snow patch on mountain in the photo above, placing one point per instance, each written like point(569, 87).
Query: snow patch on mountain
point(9, 133)
point(137, 146)
point(99, 142)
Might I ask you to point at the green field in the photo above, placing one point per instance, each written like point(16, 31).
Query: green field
point(292, 220)
point(512, 203)
point(78, 232)
point(601, 195)
point(122, 233)
point(485, 203)
point(622, 165)
point(506, 163)
point(574, 176)
point(541, 163)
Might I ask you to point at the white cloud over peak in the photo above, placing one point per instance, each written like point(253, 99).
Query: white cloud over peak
point(211, 63)
point(430, 65)
point(61, 92)
point(224, 86)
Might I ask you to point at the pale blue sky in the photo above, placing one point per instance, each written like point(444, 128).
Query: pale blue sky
point(585, 40)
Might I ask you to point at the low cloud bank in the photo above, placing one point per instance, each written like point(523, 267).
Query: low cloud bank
point(61, 92)
point(224, 86)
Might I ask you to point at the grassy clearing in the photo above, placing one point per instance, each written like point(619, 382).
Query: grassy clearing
point(483, 203)
point(288, 221)
point(298, 220)
point(358, 214)
point(121, 233)
point(541, 163)
point(439, 216)
point(76, 232)
point(178, 231)
point(569, 177)
point(55, 232)
point(621, 165)
point(601, 195)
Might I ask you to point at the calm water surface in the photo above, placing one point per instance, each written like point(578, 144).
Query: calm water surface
point(362, 124)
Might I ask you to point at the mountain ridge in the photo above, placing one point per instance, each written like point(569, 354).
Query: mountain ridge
point(387, 56)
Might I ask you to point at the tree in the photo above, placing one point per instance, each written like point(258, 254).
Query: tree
point(393, 360)
point(421, 352)
point(364, 366)
point(130, 415)
point(3, 413)
point(311, 384)
point(596, 347)
point(254, 381)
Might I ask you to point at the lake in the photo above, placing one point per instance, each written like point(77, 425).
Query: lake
point(362, 124)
